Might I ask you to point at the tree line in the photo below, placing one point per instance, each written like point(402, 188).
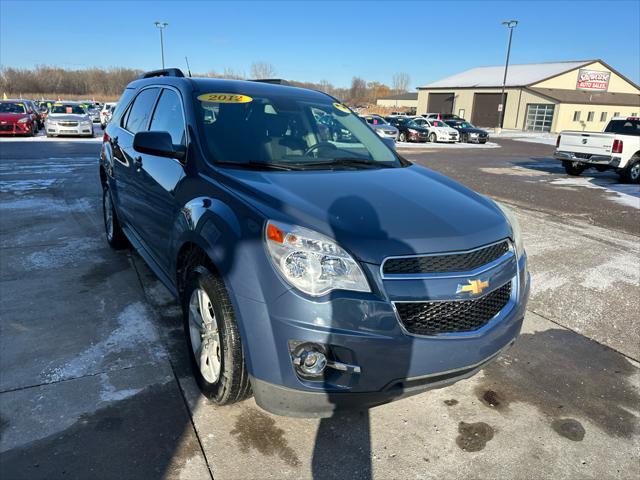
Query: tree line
point(108, 83)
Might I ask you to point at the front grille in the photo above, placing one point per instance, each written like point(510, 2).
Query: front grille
point(389, 132)
point(6, 128)
point(455, 262)
point(68, 124)
point(432, 318)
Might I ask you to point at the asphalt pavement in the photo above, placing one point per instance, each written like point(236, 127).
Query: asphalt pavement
point(95, 383)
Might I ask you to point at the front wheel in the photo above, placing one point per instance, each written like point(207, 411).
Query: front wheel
point(433, 138)
point(215, 349)
point(402, 137)
point(464, 138)
point(631, 173)
point(574, 168)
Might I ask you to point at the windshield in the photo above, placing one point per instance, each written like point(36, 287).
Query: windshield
point(376, 121)
point(624, 127)
point(284, 130)
point(414, 124)
point(12, 108)
point(68, 109)
point(458, 124)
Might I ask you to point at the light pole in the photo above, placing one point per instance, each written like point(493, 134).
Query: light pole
point(510, 24)
point(161, 26)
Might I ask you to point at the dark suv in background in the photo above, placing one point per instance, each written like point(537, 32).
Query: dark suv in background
point(315, 272)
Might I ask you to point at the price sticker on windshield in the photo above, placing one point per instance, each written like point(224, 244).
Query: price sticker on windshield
point(224, 98)
point(341, 107)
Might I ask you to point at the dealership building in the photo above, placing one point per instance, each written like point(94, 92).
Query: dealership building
point(540, 97)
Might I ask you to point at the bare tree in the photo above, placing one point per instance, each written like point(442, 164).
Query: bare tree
point(231, 73)
point(358, 90)
point(262, 70)
point(400, 82)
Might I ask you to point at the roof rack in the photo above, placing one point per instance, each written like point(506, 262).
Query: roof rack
point(276, 81)
point(165, 72)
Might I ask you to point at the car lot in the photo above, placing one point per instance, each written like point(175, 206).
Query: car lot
point(94, 366)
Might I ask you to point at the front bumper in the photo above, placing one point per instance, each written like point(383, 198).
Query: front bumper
point(16, 128)
point(607, 160)
point(73, 130)
point(417, 137)
point(364, 330)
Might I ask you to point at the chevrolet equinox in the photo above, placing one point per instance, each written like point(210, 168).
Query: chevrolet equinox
point(316, 272)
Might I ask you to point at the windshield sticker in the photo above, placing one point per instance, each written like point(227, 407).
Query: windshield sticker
point(342, 108)
point(224, 98)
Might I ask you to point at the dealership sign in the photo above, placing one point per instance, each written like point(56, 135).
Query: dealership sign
point(593, 80)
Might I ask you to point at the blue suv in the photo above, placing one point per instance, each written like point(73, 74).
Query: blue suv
point(315, 271)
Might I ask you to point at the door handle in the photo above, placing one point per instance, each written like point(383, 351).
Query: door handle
point(137, 162)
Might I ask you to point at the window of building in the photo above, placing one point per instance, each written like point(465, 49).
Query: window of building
point(539, 117)
point(634, 114)
point(576, 116)
point(590, 116)
point(603, 117)
point(616, 114)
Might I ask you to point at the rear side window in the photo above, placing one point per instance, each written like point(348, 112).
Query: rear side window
point(624, 127)
point(138, 117)
point(168, 116)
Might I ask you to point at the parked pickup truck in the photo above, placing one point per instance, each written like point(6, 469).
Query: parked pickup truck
point(617, 148)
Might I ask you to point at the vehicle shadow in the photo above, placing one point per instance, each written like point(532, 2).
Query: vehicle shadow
point(343, 443)
point(607, 179)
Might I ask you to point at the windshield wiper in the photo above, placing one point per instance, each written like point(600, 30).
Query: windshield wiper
point(348, 162)
point(259, 165)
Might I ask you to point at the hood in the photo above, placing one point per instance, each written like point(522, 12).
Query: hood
point(384, 127)
point(375, 213)
point(12, 117)
point(419, 129)
point(72, 117)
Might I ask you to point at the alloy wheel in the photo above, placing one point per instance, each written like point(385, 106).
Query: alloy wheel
point(204, 335)
point(108, 215)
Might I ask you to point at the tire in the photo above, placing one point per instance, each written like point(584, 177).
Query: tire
point(573, 168)
point(402, 137)
point(223, 377)
point(113, 230)
point(464, 138)
point(631, 173)
point(433, 138)
point(32, 132)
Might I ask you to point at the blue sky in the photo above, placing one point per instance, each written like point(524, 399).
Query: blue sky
point(331, 40)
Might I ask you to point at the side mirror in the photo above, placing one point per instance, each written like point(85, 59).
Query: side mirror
point(390, 143)
point(158, 144)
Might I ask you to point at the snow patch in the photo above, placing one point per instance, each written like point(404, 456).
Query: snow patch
point(543, 281)
point(443, 146)
point(109, 393)
point(618, 269)
point(45, 205)
point(628, 195)
point(59, 255)
point(21, 186)
point(136, 331)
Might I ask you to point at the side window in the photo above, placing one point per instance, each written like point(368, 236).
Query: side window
point(140, 111)
point(168, 116)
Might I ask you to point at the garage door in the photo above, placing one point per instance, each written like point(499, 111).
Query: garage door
point(485, 109)
point(440, 103)
point(539, 117)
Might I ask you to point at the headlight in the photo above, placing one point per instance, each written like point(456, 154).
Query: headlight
point(515, 229)
point(23, 120)
point(311, 262)
point(411, 130)
point(379, 132)
point(474, 134)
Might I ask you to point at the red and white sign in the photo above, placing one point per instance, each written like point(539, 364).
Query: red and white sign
point(593, 80)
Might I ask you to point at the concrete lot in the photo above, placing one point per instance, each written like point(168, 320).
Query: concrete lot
point(94, 380)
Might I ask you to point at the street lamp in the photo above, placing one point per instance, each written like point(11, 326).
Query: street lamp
point(510, 24)
point(161, 26)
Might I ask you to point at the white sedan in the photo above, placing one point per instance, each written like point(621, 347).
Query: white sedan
point(438, 130)
point(68, 118)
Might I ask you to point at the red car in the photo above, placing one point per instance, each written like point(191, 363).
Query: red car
point(17, 118)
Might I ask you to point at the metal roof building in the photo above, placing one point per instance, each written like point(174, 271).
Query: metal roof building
point(554, 96)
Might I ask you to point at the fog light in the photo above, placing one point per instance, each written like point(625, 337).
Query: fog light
point(309, 359)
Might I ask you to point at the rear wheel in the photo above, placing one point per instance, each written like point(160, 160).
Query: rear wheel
point(433, 138)
point(215, 349)
point(574, 168)
point(631, 173)
point(464, 138)
point(113, 230)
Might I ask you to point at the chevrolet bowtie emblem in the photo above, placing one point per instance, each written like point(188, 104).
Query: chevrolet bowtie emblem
point(475, 287)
